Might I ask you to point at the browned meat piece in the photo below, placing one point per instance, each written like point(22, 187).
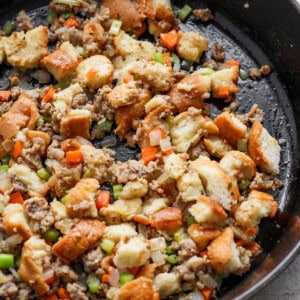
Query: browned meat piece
point(203, 15)
point(8, 290)
point(254, 73)
point(218, 52)
point(84, 236)
point(265, 70)
point(77, 291)
point(24, 21)
point(92, 259)
point(64, 271)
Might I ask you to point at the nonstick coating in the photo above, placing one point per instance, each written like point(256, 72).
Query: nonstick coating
point(268, 32)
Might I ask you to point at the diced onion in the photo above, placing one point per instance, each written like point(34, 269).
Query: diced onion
point(14, 239)
point(196, 296)
point(176, 68)
point(110, 50)
point(118, 62)
point(165, 145)
point(158, 258)
point(155, 137)
point(114, 278)
point(41, 76)
point(142, 229)
point(48, 274)
point(158, 243)
point(15, 274)
point(82, 140)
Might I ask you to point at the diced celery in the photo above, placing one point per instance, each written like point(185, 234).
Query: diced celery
point(63, 199)
point(242, 145)
point(104, 125)
point(6, 261)
point(5, 160)
point(66, 15)
point(8, 27)
point(170, 120)
point(126, 277)
point(117, 189)
point(184, 12)
point(190, 221)
point(204, 71)
point(159, 57)
point(175, 59)
point(115, 27)
point(170, 251)
point(51, 235)
point(44, 174)
point(179, 236)
point(107, 245)
point(93, 283)
point(68, 2)
point(172, 259)
point(244, 184)
point(4, 168)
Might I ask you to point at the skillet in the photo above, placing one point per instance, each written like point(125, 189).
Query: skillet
point(268, 32)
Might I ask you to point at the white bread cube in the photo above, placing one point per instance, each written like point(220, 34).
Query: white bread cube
point(216, 146)
point(68, 94)
point(167, 284)
point(134, 189)
point(134, 253)
point(58, 210)
point(174, 166)
point(153, 205)
point(264, 149)
point(191, 45)
point(156, 101)
point(120, 232)
point(94, 72)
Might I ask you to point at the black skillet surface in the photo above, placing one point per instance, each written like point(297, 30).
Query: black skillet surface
point(268, 32)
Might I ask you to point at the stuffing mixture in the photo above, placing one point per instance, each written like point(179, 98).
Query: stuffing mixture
point(77, 224)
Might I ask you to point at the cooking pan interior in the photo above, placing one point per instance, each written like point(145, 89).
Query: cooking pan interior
point(256, 36)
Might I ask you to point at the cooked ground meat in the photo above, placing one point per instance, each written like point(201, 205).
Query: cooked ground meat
point(254, 73)
point(46, 108)
point(15, 92)
point(40, 216)
point(203, 15)
point(197, 150)
point(218, 52)
point(8, 289)
point(24, 21)
point(76, 291)
point(210, 64)
point(4, 107)
point(18, 185)
point(14, 79)
point(185, 273)
point(64, 272)
point(79, 100)
point(92, 259)
point(75, 36)
point(265, 70)
point(255, 113)
point(24, 291)
point(264, 182)
point(103, 105)
point(187, 248)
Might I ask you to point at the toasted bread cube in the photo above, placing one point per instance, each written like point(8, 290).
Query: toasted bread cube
point(188, 127)
point(63, 62)
point(58, 210)
point(84, 236)
point(34, 252)
point(218, 185)
point(25, 50)
point(76, 123)
point(238, 166)
point(190, 186)
point(135, 189)
point(140, 288)
point(68, 94)
point(231, 128)
point(134, 253)
point(216, 146)
point(167, 284)
point(225, 78)
point(223, 254)
point(191, 45)
point(94, 72)
point(14, 221)
point(257, 206)
point(35, 185)
point(153, 205)
point(207, 211)
point(156, 101)
point(80, 200)
point(120, 232)
point(174, 165)
point(264, 149)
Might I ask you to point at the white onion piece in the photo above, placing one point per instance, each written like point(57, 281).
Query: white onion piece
point(158, 258)
point(48, 273)
point(41, 76)
point(118, 62)
point(114, 278)
point(155, 137)
point(110, 50)
point(83, 141)
point(165, 145)
point(196, 296)
point(15, 274)
point(176, 68)
point(142, 229)
point(158, 243)
point(14, 239)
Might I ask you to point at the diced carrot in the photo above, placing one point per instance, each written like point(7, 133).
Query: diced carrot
point(169, 39)
point(105, 278)
point(274, 210)
point(149, 154)
point(207, 293)
point(50, 297)
point(16, 198)
point(71, 22)
point(17, 149)
point(102, 199)
point(1, 192)
point(167, 152)
point(141, 219)
point(253, 247)
point(48, 97)
point(231, 63)
point(223, 92)
point(240, 243)
point(140, 30)
point(128, 78)
point(91, 73)
point(133, 270)
point(80, 59)
point(50, 279)
point(168, 60)
point(251, 230)
point(62, 293)
point(203, 253)
point(5, 96)
point(74, 157)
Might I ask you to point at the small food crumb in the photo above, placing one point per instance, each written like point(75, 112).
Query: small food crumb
point(246, 5)
point(203, 15)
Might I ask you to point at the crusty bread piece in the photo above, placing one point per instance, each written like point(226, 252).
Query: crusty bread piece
point(62, 63)
point(222, 253)
point(218, 185)
point(238, 166)
point(84, 236)
point(80, 200)
point(36, 134)
point(140, 288)
point(68, 94)
point(191, 45)
point(231, 128)
point(264, 149)
point(202, 236)
point(94, 72)
point(174, 165)
point(134, 253)
point(216, 146)
point(191, 91)
point(76, 123)
point(153, 205)
point(25, 50)
point(207, 211)
point(34, 251)
point(119, 232)
point(93, 35)
point(135, 189)
point(167, 284)
point(14, 221)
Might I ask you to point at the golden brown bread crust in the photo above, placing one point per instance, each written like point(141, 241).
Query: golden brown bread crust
point(220, 250)
point(84, 236)
point(215, 207)
point(228, 129)
point(140, 288)
point(82, 191)
point(183, 99)
point(202, 236)
point(75, 126)
point(126, 11)
point(258, 195)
